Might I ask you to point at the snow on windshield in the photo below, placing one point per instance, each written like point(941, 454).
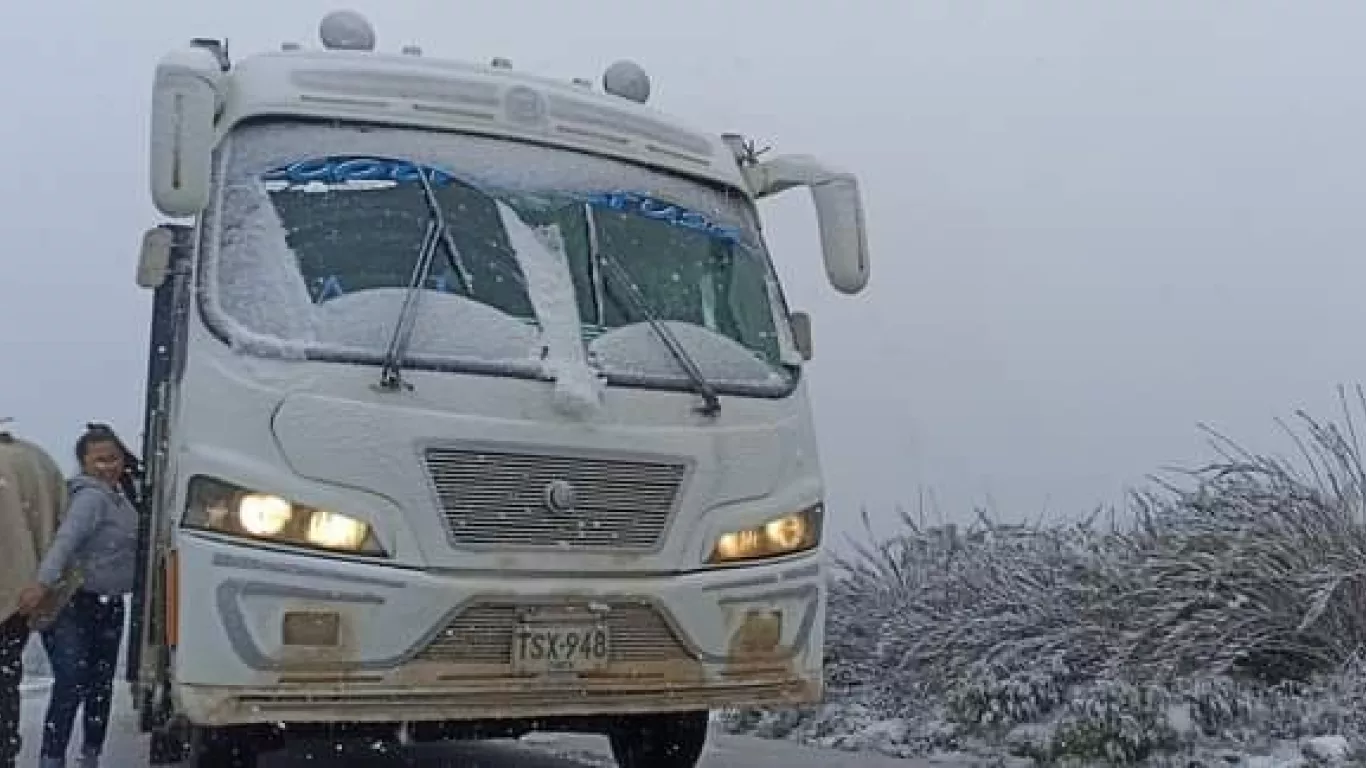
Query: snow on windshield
point(315, 265)
point(270, 306)
point(639, 351)
point(449, 324)
point(541, 252)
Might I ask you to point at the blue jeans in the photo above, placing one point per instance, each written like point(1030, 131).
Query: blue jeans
point(83, 646)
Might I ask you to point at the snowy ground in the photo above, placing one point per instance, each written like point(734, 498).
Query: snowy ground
point(127, 749)
point(866, 736)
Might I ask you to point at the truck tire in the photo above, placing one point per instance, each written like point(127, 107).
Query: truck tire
point(166, 747)
point(660, 741)
point(221, 749)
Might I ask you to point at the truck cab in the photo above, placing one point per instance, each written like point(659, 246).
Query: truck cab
point(474, 407)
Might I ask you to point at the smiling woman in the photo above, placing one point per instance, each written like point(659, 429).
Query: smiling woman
point(91, 564)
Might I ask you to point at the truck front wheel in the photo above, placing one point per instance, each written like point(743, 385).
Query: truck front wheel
point(222, 749)
point(660, 741)
point(166, 747)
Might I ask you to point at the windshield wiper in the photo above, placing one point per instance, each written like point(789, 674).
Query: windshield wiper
point(391, 375)
point(711, 404)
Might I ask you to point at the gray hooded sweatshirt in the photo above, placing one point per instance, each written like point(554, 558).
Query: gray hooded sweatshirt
point(99, 535)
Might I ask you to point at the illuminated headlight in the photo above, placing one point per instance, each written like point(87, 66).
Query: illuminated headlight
point(218, 506)
point(784, 535)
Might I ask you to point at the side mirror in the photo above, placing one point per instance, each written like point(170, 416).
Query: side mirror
point(801, 333)
point(154, 262)
point(839, 213)
point(185, 102)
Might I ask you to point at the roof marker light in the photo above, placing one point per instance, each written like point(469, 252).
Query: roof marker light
point(346, 31)
point(628, 80)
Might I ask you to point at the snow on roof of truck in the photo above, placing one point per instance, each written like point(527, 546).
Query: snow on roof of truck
point(350, 80)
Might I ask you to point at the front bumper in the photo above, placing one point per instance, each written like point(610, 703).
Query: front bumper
point(488, 700)
point(421, 647)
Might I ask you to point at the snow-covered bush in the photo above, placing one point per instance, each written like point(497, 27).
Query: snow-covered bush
point(1228, 605)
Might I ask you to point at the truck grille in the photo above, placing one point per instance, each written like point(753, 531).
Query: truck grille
point(483, 633)
point(500, 499)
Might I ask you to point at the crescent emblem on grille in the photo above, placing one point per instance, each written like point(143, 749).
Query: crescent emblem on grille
point(560, 496)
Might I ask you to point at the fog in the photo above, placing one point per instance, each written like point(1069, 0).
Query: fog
point(1093, 225)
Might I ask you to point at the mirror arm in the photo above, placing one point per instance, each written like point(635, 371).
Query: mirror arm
point(839, 212)
point(789, 171)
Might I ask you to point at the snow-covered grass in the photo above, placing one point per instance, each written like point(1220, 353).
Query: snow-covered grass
point(1223, 617)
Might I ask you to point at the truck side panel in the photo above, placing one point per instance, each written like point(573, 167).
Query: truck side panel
point(165, 360)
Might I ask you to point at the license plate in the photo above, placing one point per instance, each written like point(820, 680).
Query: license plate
point(553, 648)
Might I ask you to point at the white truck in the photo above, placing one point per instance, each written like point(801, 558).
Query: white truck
point(474, 407)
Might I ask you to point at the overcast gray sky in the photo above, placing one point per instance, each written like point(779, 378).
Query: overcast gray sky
point(1094, 224)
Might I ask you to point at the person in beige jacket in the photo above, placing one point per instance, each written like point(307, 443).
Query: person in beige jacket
point(32, 497)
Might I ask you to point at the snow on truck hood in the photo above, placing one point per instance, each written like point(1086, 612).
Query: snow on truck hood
point(359, 440)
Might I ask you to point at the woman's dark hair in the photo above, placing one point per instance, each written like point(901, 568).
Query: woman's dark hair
point(98, 433)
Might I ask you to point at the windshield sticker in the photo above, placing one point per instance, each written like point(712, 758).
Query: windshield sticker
point(659, 210)
point(350, 172)
point(356, 173)
point(329, 287)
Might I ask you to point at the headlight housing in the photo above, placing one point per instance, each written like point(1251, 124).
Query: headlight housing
point(225, 508)
point(785, 535)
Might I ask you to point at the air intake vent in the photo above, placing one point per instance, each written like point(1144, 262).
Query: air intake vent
point(565, 503)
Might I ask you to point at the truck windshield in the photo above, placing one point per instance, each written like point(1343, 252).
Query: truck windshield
point(318, 229)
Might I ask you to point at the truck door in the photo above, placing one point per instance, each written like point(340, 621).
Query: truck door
point(166, 268)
